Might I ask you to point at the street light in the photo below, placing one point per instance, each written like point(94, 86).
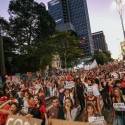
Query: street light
point(120, 7)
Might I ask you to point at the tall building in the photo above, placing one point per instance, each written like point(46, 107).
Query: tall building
point(59, 10)
point(99, 41)
point(73, 15)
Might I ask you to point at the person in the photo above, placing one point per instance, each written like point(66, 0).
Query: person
point(69, 111)
point(90, 98)
point(123, 85)
point(90, 112)
point(7, 108)
point(25, 101)
point(68, 93)
point(34, 109)
point(56, 111)
point(104, 90)
point(119, 116)
point(80, 93)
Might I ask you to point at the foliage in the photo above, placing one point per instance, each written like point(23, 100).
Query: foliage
point(67, 46)
point(30, 38)
point(4, 26)
point(102, 57)
point(28, 27)
point(29, 23)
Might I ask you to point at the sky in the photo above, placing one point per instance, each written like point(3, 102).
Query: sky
point(103, 17)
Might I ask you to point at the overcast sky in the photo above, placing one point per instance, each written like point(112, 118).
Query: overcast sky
point(102, 17)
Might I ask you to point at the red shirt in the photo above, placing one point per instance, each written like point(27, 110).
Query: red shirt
point(123, 84)
point(4, 116)
point(43, 109)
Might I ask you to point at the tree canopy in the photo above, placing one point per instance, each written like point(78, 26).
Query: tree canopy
point(29, 23)
point(32, 40)
point(102, 57)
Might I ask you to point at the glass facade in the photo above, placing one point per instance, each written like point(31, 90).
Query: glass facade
point(56, 11)
point(74, 12)
point(99, 41)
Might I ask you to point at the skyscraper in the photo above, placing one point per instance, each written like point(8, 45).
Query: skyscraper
point(59, 10)
point(73, 15)
point(99, 41)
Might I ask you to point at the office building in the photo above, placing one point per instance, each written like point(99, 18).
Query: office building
point(59, 10)
point(99, 41)
point(73, 15)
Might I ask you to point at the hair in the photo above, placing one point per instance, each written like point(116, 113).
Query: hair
point(55, 98)
point(116, 88)
point(86, 113)
point(120, 93)
point(70, 101)
point(14, 103)
point(17, 106)
point(78, 80)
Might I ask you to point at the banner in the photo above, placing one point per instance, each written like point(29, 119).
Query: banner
point(69, 85)
point(62, 122)
point(19, 120)
point(119, 106)
point(91, 66)
point(97, 120)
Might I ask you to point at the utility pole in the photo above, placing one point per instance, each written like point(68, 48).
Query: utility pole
point(120, 8)
point(2, 60)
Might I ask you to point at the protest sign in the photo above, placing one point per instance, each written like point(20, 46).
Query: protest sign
point(90, 89)
point(62, 122)
point(119, 106)
point(115, 75)
point(69, 85)
point(97, 120)
point(19, 120)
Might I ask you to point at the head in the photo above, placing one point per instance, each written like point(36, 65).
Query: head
point(14, 108)
point(90, 109)
point(55, 102)
point(36, 100)
point(90, 94)
point(68, 102)
point(67, 92)
point(78, 80)
point(27, 95)
point(117, 92)
point(89, 82)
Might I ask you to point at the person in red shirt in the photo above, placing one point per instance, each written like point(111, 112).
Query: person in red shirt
point(7, 109)
point(123, 85)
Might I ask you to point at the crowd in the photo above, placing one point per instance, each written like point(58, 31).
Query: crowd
point(74, 93)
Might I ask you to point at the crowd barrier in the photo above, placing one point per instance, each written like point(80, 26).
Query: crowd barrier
point(19, 120)
point(63, 122)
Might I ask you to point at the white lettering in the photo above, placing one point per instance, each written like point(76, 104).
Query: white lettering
point(18, 122)
point(9, 121)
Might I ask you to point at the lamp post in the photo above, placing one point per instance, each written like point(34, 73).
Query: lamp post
point(120, 8)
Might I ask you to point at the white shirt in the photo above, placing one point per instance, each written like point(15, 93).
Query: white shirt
point(95, 89)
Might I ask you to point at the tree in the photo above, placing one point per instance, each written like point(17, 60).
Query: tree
point(29, 23)
point(29, 26)
point(102, 57)
point(3, 28)
point(67, 46)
